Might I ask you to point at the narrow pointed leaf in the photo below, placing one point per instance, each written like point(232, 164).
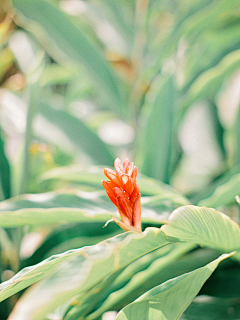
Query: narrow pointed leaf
point(169, 300)
point(43, 18)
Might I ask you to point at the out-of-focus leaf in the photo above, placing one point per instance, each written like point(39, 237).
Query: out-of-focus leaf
point(222, 180)
point(5, 178)
point(203, 226)
point(224, 283)
point(71, 236)
point(203, 19)
point(209, 308)
point(236, 134)
point(117, 15)
point(6, 60)
point(93, 175)
point(224, 194)
point(65, 37)
point(78, 270)
point(209, 82)
point(80, 135)
point(56, 74)
point(170, 299)
point(74, 206)
point(158, 138)
point(214, 44)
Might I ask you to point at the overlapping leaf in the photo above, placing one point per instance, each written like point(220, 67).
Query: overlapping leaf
point(169, 300)
point(78, 270)
point(60, 33)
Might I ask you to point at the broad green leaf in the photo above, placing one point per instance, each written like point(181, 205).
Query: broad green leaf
point(72, 206)
point(5, 179)
point(224, 194)
point(169, 300)
point(203, 226)
point(63, 39)
point(158, 139)
point(133, 288)
point(67, 237)
point(77, 271)
point(79, 134)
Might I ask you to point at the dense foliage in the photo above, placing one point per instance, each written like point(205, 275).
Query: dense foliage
point(84, 82)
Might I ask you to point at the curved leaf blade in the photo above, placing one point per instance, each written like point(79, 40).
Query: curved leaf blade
point(169, 300)
point(71, 41)
point(204, 226)
point(79, 134)
point(77, 271)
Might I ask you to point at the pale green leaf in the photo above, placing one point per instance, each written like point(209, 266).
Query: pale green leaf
point(64, 40)
point(79, 134)
point(168, 300)
point(79, 270)
point(203, 226)
point(158, 137)
point(224, 194)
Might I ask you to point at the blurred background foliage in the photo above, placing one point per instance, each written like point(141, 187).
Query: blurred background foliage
point(84, 82)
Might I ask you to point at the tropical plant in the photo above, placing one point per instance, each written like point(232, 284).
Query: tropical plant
point(84, 82)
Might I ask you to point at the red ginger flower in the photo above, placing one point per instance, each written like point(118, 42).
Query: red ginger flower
point(124, 192)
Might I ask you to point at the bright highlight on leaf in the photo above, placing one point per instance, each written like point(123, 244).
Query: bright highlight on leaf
point(124, 192)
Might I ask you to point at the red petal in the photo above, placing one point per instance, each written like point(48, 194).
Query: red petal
point(134, 174)
point(129, 186)
point(135, 192)
point(124, 218)
point(125, 207)
point(136, 217)
point(111, 197)
point(118, 166)
point(112, 176)
point(126, 163)
point(108, 185)
point(130, 168)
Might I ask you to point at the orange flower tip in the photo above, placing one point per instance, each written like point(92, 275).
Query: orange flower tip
point(126, 163)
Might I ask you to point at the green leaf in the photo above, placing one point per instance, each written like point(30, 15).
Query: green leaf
point(168, 300)
point(70, 236)
point(79, 134)
point(77, 271)
point(73, 206)
point(92, 176)
point(236, 133)
point(5, 179)
point(209, 82)
point(137, 279)
point(57, 31)
point(158, 138)
point(224, 194)
point(203, 226)
point(222, 180)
